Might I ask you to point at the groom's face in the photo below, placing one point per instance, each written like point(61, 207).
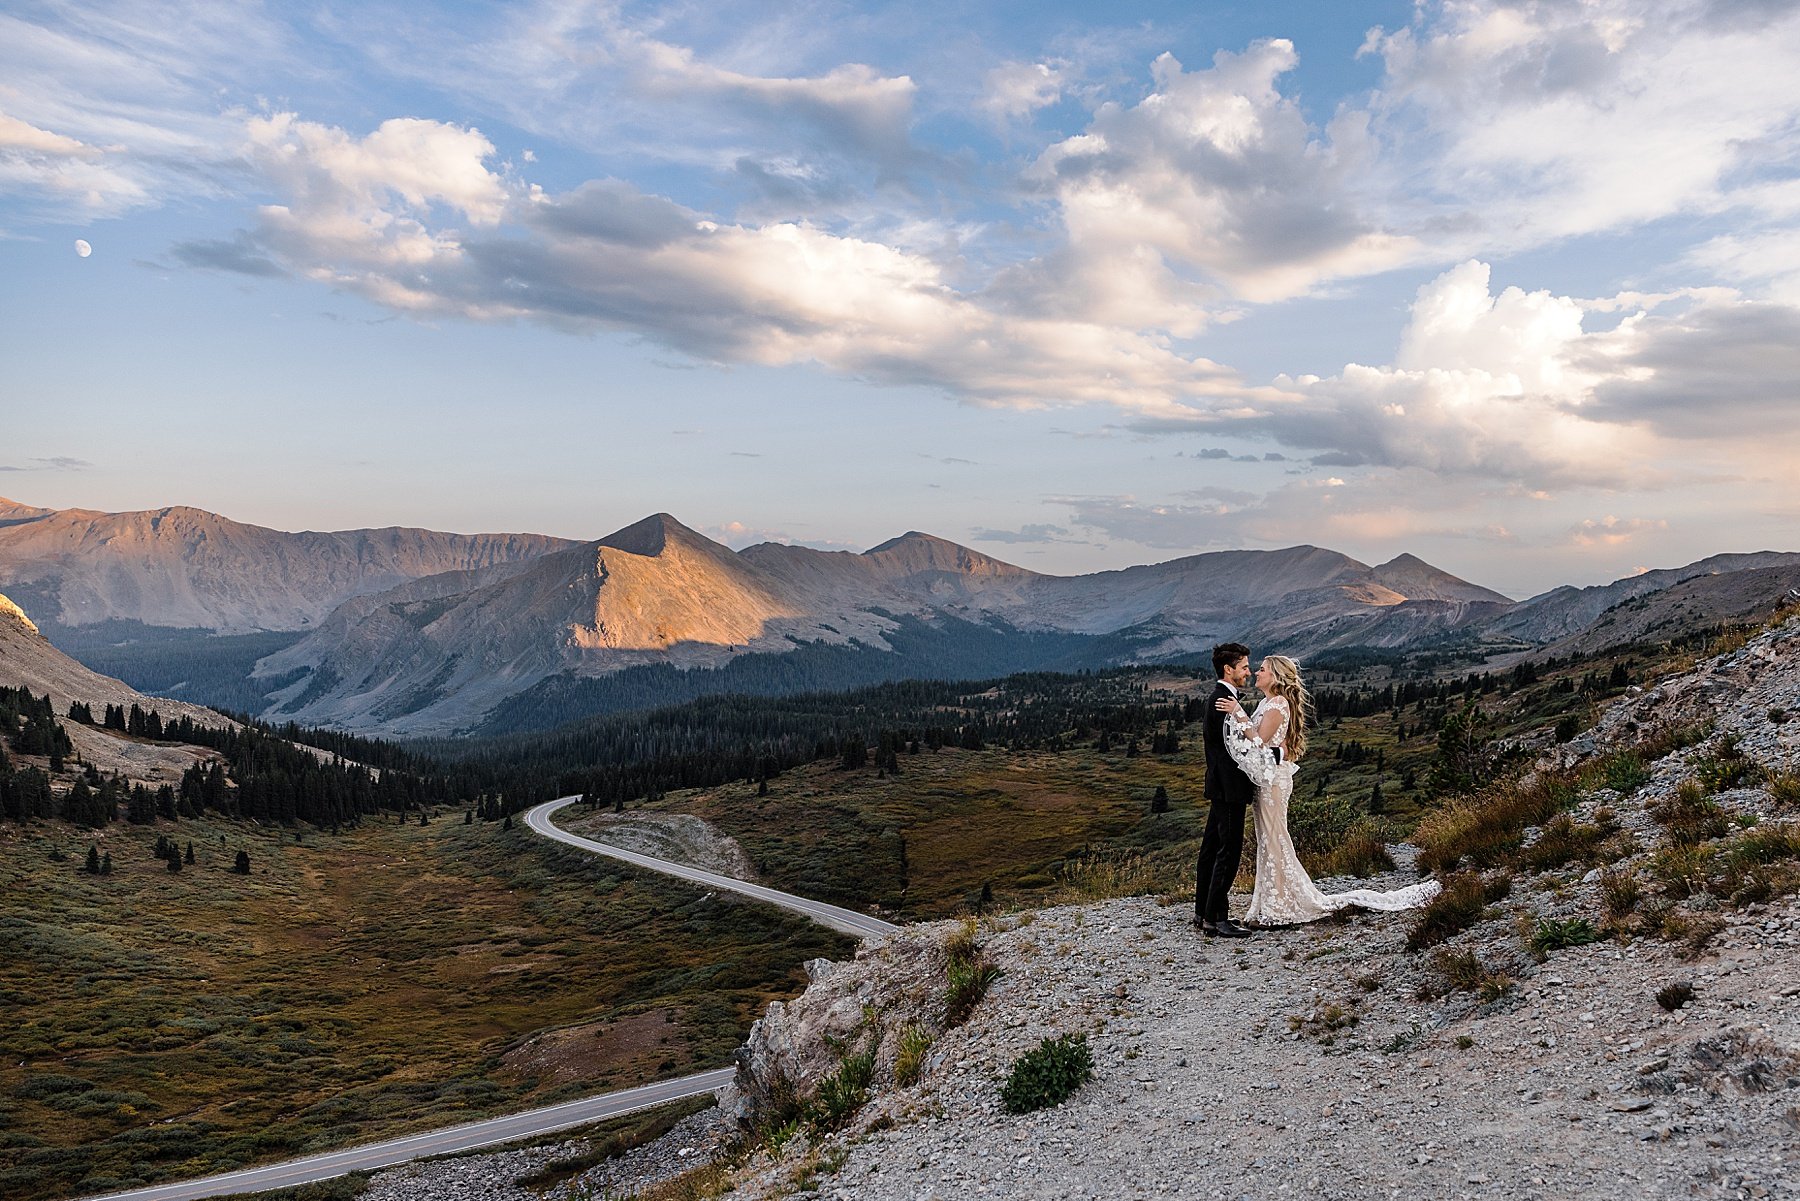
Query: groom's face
point(1238, 673)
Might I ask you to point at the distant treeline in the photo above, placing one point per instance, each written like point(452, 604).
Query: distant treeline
point(263, 776)
point(722, 738)
point(190, 664)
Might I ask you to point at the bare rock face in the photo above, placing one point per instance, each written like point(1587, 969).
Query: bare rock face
point(892, 984)
point(1750, 695)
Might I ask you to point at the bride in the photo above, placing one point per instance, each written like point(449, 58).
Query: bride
point(1268, 748)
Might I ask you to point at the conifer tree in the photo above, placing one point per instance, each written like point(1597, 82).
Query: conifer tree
point(1160, 802)
point(242, 866)
point(190, 852)
point(175, 862)
point(106, 864)
point(92, 866)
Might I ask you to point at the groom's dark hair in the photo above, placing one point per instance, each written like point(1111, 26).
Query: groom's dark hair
point(1227, 653)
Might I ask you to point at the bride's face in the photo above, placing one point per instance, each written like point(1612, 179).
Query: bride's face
point(1265, 678)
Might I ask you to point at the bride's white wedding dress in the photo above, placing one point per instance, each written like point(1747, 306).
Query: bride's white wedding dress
point(1285, 895)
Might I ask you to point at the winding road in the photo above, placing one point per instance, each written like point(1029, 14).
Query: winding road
point(532, 1122)
point(846, 920)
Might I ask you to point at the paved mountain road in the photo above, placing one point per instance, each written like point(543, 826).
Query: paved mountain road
point(532, 1122)
point(847, 920)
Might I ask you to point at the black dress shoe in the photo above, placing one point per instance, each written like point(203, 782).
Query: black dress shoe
point(1228, 929)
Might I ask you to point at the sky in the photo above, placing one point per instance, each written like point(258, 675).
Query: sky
point(1511, 287)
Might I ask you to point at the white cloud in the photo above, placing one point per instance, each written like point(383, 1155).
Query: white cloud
point(1014, 90)
point(1529, 122)
point(110, 108)
point(1216, 177)
point(358, 207)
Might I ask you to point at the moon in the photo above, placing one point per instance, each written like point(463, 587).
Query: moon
point(82, 248)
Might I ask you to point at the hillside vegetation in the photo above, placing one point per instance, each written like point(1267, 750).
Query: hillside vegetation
point(391, 978)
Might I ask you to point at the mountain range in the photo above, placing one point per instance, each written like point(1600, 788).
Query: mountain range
point(187, 568)
point(401, 632)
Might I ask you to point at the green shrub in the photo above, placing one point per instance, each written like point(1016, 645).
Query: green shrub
point(1727, 769)
point(1048, 1074)
point(1363, 852)
point(843, 1092)
point(1561, 840)
point(1459, 906)
point(1321, 824)
point(1554, 935)
point(1784, 788)
point(966, 983)
point(1624, 772)
point(1619, 892)
point(967, 974)
point(909, 1055)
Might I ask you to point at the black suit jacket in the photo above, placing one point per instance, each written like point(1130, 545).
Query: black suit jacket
point(1226, 782)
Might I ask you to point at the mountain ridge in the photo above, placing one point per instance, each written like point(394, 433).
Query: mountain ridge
point(180, 566)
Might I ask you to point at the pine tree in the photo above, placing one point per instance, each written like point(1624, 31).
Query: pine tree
point(1160, 802)
point(507, 825)
point(242, 866)
point(1377, 805)
point(468, 817)
point(92, 866)
point(175, 862)
point(190, 853)
point(106, 864)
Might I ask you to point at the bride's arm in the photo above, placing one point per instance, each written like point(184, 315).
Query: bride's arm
point(1245, 744)
point(1268, 720)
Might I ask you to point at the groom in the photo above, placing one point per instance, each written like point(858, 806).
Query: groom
point(1229, 792)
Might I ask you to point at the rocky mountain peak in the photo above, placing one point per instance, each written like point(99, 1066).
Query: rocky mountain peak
point(655, 534)
point(914, 552)
point(8, 610)
point(1415, 579)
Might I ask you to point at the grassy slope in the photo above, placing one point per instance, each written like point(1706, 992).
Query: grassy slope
point(1026, 823)
point(351, 988)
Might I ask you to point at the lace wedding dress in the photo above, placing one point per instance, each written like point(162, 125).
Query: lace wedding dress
point(1285, 895)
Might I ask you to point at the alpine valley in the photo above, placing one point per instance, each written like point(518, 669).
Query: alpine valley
point(402, 632)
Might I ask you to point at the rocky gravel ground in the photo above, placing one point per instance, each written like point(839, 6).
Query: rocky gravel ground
point(496, 1176)
point(1575, 1084)
point(678, 837)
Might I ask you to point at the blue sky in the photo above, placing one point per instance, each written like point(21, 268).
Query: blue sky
point(1513, 287)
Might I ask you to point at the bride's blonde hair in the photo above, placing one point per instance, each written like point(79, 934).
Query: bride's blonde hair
point(1289, 685)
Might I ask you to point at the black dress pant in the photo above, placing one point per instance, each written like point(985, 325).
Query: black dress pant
point(1221, 850)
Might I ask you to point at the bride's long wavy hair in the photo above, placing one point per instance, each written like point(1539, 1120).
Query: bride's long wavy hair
point(1288, 684)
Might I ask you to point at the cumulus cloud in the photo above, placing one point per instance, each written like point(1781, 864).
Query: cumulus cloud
point(1541, 121)
point(412, 216)
point(1014, 90)
point(1216, 177)
point(1514, 387)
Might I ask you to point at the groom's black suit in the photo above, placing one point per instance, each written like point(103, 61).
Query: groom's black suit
point(1229, 792)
